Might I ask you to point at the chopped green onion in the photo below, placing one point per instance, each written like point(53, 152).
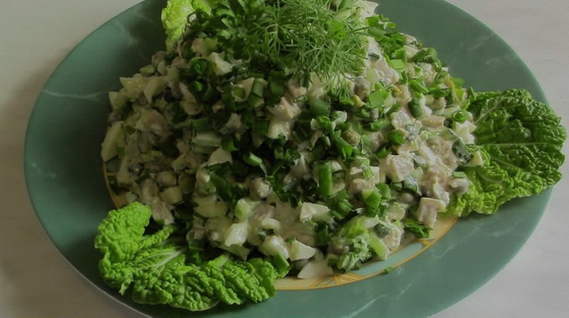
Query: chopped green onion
point(415, 108)
point(383, 153)
point(398, 65)
point(399, 54)
point(322, 234)
point(199, 66)
point(372, 199)
point(201, 124)
point(261, 126)
point(397, 186)
point(459, 174)
point(281, 265)
point(397, 137)
point(346, 150)
point(255, 101)
point(325, 123)
point(460, 116)
point(277, 88)
point(228, 144)
point(319, 107)
point(379, 124)
point(197, 87)
point(252, 160)
point(439, 92)
point(384, 190)
point(418, 87)
point(238, 93)
point(325, 181)
point(377, 98)
point(428, 55)
point(258, 87)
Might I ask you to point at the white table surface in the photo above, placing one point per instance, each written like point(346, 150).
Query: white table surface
point(35, 281)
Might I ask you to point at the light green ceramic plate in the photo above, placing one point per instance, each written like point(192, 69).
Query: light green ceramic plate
point(67, 187)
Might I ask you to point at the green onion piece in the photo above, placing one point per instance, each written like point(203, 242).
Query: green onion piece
point(397, 186)
point(415, 227)
point(398, 65)
point(379, 124)
point(346, 150)
point(428, 55)
point(344, 207)
point(439, 92)
point(399, 54)
point(325, 181)
point(460, 116)
point(418, 87)
point(210, 95)
point(347, 100)
point(228, 144)
point(228, 192)
point(281, 265)
point(384, 190)
point(397, 137)
point(372, 199)
point(376, 31)
point(383, 153)
point(277, 88)
point(197, 87)
point(393, 109)
point(258, 87)
point(261, 126)
point(201, 124)
point(255, 101)
point(199, 66)
point(415, 109)
point(377, 98)
point(319, 107)
point(325, 123)
point(340, 204)
point(459, 174)
point(374, 21)
point(238, 93)
point(322, 234)
point(253, 160)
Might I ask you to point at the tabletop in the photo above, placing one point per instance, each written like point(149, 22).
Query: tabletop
point(35, 280)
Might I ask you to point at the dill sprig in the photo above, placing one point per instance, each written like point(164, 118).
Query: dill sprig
point(298, 37)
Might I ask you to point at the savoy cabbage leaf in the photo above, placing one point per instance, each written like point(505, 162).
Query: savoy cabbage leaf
point(520, 140)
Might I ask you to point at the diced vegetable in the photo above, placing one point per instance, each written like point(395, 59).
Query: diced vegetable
point(315, 269)
point(300, 251)
point(210, 206)
point(275, 246)
point(313, 211)
point(236, 234)
point(428, 211)
point(244, 208)
point(114, 138)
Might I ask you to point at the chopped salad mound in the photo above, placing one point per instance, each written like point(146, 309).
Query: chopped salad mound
point(300, 138)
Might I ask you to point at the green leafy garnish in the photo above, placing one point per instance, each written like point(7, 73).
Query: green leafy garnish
point(520, 141)
point(152, 268)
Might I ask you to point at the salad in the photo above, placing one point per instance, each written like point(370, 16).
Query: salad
point(299, 138)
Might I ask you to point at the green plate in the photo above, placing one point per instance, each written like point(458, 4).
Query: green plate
point(66, 184)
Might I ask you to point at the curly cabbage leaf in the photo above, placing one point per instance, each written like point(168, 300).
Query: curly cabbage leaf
point(520, 140)
point(175, 17)
point(152, 268)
